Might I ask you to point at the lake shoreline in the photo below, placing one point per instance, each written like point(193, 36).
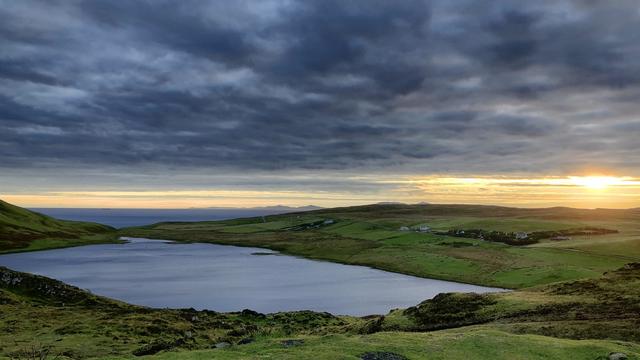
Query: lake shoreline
point(222, 277)
point(319, 258)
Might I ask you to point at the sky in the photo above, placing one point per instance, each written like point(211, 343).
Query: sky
point(326, 102)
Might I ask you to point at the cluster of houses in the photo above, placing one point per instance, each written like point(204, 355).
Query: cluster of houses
point(524, 236)
point(417, 228)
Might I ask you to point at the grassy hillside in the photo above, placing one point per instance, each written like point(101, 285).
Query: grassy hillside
point(21, 229)
point(371, 235)
point(587, 319)
point(574, 311)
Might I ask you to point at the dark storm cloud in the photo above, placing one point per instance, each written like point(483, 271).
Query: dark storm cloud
point(24, 71)
point(516, 39)
point(417, 86)
point(179, 26)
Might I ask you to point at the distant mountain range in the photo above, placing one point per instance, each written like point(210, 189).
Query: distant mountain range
point(400, 203)
point(274, 208)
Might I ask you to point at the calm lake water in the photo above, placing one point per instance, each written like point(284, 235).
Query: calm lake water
point(228, 278)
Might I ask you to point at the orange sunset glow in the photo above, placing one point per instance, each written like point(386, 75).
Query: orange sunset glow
point(577, 191)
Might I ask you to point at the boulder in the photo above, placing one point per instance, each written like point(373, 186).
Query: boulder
point(618, 356)
point(292, 342)
point(246, 341)
point(251, 313)
point(382, 355)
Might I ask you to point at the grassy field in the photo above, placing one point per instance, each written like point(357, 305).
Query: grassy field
point(370, 235)
point(24, 230)
point(463, 344)
point(586, 319)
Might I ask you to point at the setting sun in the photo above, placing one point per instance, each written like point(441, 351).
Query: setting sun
point(596, 182)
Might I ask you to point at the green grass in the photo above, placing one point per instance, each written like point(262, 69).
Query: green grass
point(264, 226)
point(506, 225)
point(467, 344)
point(418, 262)
point(362, 230)
point(625, 244)
point(566, 310)
point(24, 230)
point(370, 235)
point(569, 320)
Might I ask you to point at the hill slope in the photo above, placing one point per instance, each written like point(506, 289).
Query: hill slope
point(20, 228)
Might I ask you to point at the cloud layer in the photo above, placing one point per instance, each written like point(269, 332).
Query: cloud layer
point(546, 87)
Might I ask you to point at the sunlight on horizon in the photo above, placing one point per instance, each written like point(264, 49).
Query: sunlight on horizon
point(601, 182)
point(576, 191)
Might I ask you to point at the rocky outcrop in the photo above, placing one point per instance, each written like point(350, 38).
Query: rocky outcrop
point(448, 310)
point(382, 355)
point(44, 289)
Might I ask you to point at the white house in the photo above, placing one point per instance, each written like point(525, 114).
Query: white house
point(424, 228)
point(404, 228)
point(328, 222)
point(521, 235)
